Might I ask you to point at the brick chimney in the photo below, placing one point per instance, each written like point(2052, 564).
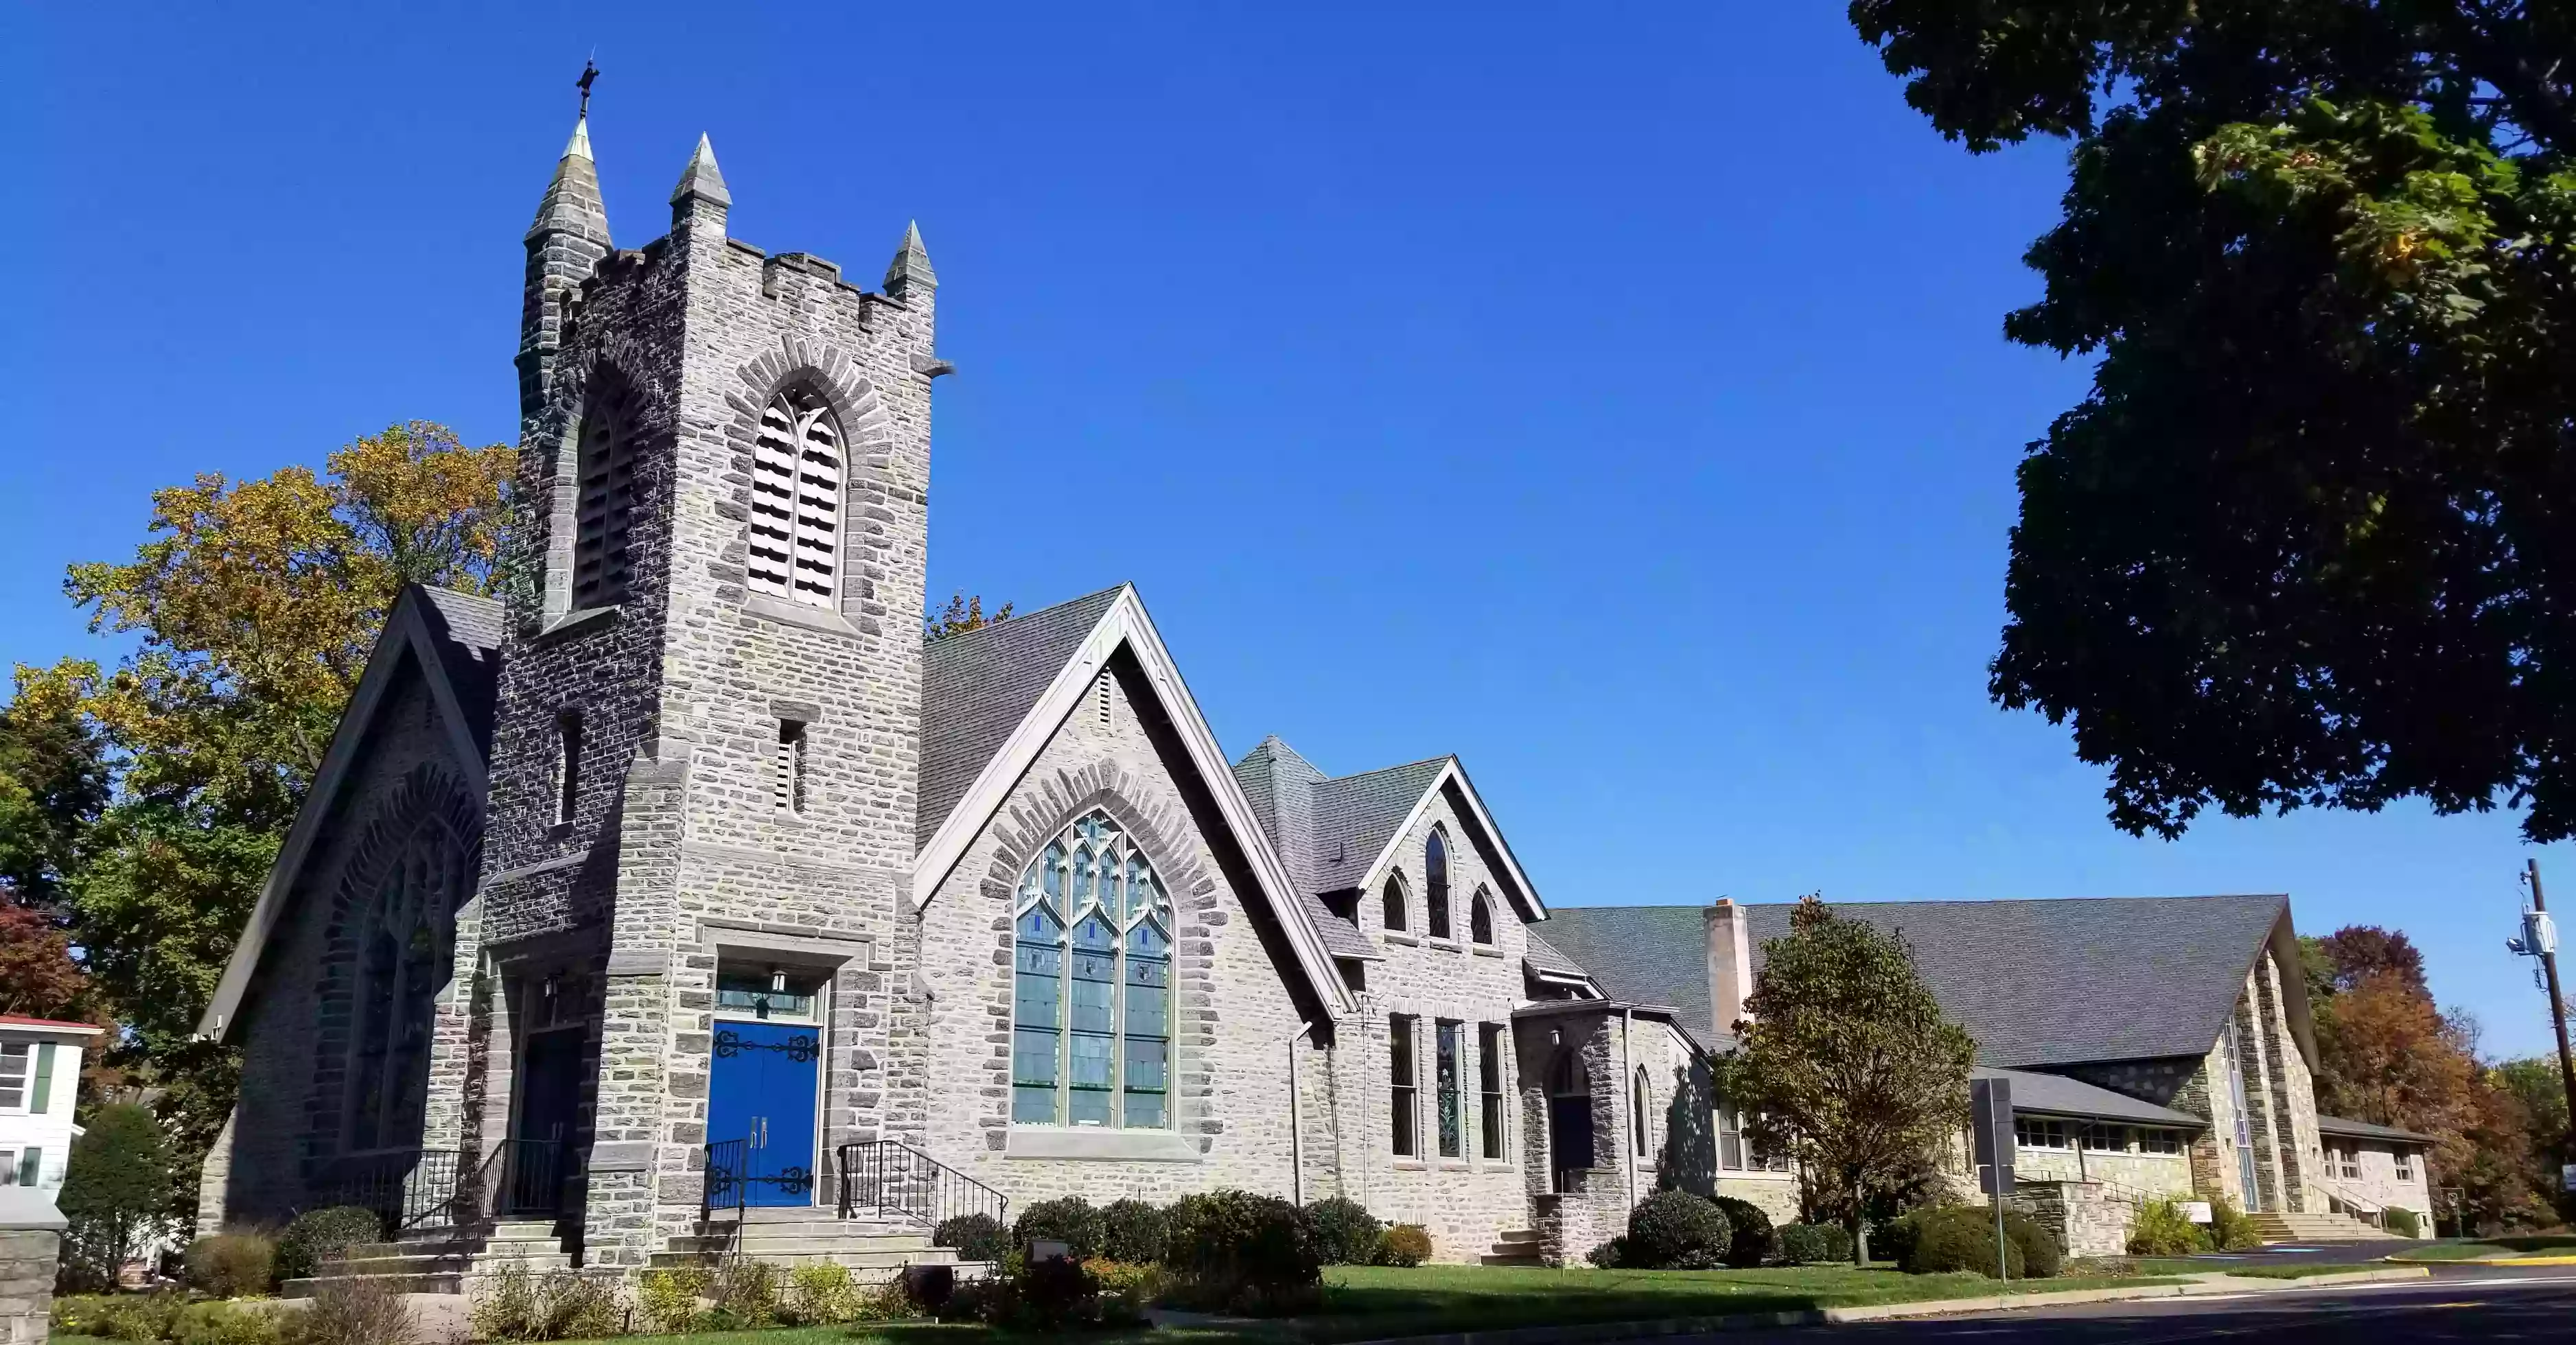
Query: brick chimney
point(1730, 965)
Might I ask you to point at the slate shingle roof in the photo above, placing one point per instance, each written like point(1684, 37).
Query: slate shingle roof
point(977, 686)
point(1356, 815)
point(2367, 1130)
point(2037, 983)
point(2057, 1095)
point(1327, 830)
point(468, 632)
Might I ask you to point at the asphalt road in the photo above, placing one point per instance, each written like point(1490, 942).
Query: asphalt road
point(2482, 1304)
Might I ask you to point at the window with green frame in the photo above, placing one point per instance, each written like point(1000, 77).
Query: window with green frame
point(1091, 985)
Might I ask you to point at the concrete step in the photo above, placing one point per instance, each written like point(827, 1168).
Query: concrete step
point(868, 1266)
point(817, 1228)
point(1511, 1259)
point(441, 1264)
point(443, 1282)
point(1517, 1237)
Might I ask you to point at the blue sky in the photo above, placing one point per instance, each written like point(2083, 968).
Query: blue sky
point(1613, 396)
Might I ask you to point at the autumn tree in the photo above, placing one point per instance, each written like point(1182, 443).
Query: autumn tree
point(962, 614)
point(1845, 1063)
point(2304, 541)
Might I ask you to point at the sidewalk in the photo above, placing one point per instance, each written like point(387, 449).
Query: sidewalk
point(2212, 1283)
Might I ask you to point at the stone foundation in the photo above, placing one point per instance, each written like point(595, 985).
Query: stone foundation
point(27, 1260)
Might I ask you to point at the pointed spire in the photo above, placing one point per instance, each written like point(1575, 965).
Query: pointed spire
point(700, 179)
point(911, 266)
point(572, 204)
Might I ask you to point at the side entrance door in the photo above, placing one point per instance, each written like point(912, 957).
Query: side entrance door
point(551, 1069)
point(762, 1092)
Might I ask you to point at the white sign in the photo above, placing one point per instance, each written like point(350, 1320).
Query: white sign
point(2567, 1177)
point(2196, 1210)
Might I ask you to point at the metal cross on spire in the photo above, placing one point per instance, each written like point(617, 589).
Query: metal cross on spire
point(589, 72)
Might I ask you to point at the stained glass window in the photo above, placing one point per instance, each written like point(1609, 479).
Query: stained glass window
point(1092, 989)
point(1435, 886)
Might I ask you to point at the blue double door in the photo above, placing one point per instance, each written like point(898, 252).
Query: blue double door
point(760, 1112)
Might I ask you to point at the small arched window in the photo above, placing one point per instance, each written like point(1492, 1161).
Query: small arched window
point(1393, 898)
point(1435, 886)
point(1480, 917)
point(796, 502)
point(604, 503)
point(1091, 1041)
point(1640, 1109)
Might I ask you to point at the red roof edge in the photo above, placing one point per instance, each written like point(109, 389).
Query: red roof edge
point(21, 1020)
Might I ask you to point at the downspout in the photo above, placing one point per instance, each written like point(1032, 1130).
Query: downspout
point(1628, 1080)
point(1296, 1122)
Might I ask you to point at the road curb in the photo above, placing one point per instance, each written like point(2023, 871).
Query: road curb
point(2496, 1261)
point(1585, 1333)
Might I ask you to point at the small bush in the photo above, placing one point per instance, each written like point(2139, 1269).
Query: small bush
point(2163, 1229)
point(2230, 1228)
point(505, 1304)
point(1245, 1253)
point(975, 1237)
point(357, 1312)
point(117, 1316)
point(1607, 1255)
point(1127, 1288)
point(1814, 1244)
point(317, 1235)
point(2402, 1223)
point(1070, 1220)
point(1403, 1245)
point(746, 1296)
point(1134, 1232)
point(1675, 1230)
point(1751, 1243)
point(231, 1265)
point(1051, 1295)
point(925, 1288)
point(1962, 1237)
point(1346, 1233)
point(219, 1323)
point(670, 1297)
point(820, 1295)
point(2040, 1254)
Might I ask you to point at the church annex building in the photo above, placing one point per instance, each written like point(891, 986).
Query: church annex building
point(687, 891)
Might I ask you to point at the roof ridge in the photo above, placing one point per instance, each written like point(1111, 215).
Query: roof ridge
point(1382, 770)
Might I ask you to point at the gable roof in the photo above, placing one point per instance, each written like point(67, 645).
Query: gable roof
point(2037, 983)
point(2057, 1095)
point(1338, 833)
point(2367, 1130)
point(455, 640)
point(1118, 623)
point(978, 685)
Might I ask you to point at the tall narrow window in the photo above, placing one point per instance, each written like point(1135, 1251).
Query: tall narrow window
point(1092, 986)
point(1730, 1139)
point(604, 505)
point(790, 784)
point(567, 765)
point(1401, 1084)
point(403, 959)
point(1480, 917)
point(1435, 886)
point(1445, 1076)
point(796, 502)
point(1393, 898)
point(1489, 1083)
point(1641, 1099)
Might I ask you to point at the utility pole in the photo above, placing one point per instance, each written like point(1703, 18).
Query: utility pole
point(2557, 1005)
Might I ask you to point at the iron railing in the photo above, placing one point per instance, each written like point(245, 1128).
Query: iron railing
point(727, 1181)
point(411, 1188)
point(531, 1174)
point(887, 1177)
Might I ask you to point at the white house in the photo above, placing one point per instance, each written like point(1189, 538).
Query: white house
point(40, 1064)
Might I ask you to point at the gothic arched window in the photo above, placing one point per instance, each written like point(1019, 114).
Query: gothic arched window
point(604, 502)
point(1640, 1101)
point(403, 958)
point(1435, 885)
point(1392, 898)
point(1480, 917)
point(796, 502)
point(1091, 985)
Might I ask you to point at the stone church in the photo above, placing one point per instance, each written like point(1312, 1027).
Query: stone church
point(687, 895)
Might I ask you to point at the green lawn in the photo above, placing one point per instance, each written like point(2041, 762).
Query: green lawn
point(2457, 1250)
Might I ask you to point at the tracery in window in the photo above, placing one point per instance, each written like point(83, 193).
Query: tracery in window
point(1091, 989)
point(1435, 886)
point(402, 941)
point(604, 503)
point(796, 474)
point(1393, 898)
point(1480, 917)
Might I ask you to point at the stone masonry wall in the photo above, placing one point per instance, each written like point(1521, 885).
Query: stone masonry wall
point(27, 1259)
point(2294, 1087)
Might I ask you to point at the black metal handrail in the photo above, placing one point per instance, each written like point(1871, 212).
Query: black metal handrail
point(890, 1177)
point(531, 1176)
point(411, 1188)
point(727, 1184)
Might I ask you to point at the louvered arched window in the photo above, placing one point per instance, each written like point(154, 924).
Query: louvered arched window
point(1091, 985)
point(796, 472)
point(604, 503)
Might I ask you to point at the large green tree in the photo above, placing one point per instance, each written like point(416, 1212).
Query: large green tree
point(2311, 537)
point(1845, 1063)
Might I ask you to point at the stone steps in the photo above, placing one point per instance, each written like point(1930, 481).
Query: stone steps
point(1515, 1247)
point(2276, 1227)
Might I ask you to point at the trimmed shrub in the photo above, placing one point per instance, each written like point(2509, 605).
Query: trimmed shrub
point(231, 1265)
point(2162, 1229)
point(974, 1237)
point(357, 1312)
point(1245, 1253)
point(1752, 1242)
point(2041, 1256)
point(1070, 1220)
point(2230, 1228)
point(1675, 1230)
point(1607, 1255)
point(1814, 1244)
point(1403, 1245)
point(316, 1235)
point(2402, 1223)
point(1962, 1237)
point(820, 1295)
point(220, 1323)
point(1133, 1232)
point(1346, 1233)
point(670, 1297)
point(1053, 1294)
